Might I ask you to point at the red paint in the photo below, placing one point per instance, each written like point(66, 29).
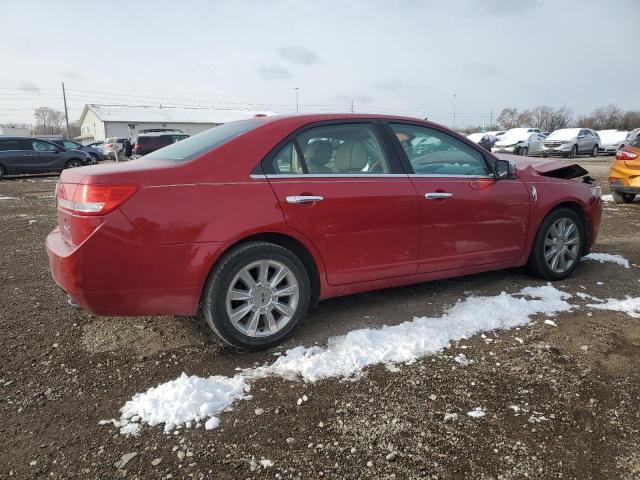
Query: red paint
point(151, 255)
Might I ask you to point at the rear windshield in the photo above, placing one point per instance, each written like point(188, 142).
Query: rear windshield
point(194, 146)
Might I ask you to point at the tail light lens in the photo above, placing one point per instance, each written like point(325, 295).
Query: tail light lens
point(626, 155)
point(137, 146)
point(92, 199)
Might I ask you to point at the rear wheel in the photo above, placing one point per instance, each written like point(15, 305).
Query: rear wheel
point(620, 197)
point(73, 163)
point(594, 151)
point(256, 295)
point(558, 245)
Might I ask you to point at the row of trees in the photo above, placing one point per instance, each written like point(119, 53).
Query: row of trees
point(51, 122)
point(549, 119)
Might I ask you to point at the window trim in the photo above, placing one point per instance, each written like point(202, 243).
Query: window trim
point(263, 170)
point(407, 163)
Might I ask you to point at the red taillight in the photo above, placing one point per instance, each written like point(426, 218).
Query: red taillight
point(136, 146)
point(93, 199)
point(626, 155)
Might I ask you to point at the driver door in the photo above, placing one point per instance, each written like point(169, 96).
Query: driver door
point(467, 217)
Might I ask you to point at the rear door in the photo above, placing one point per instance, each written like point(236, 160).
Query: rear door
point(467, 217)
point(341, 188)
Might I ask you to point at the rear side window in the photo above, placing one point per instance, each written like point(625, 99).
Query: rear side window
point(194, 146)
point(351, 149)
point(14, 145)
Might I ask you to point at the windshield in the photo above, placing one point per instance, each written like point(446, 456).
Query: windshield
point(194, 146)
point(564, 134)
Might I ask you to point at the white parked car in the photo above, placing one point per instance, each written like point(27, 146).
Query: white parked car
point(613, 140)
point(519, 141)
point(569, 142)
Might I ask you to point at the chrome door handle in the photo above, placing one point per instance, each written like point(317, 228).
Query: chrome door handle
point(436, 195)
point(304, 198)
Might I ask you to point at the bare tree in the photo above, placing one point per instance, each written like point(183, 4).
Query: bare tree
point(508, 118)
point(608, 117)
point(549, 119)
point(48, 121)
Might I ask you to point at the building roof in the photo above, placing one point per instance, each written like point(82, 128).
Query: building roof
point(152, 114)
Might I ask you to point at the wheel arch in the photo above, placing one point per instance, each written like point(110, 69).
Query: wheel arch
point(579, 210)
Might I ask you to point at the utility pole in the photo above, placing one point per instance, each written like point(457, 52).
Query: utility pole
point(453, 124)
point(66, 112)
point(351, 106)
point(297, 109)
point(491, 121)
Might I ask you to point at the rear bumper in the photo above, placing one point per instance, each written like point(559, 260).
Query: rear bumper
point(117, 272)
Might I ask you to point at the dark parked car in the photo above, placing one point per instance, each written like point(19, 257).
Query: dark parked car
point(33, 155)
point(95, 153)
point(252, 221)
point(149, 141)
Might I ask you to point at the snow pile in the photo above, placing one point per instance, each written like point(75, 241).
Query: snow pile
point(193, 399)
point(607, 198)
point(477, 412)
point(628, 305)
point(608, 257)
point(181, 401)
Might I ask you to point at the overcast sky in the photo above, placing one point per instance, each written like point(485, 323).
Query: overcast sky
point(405, 56)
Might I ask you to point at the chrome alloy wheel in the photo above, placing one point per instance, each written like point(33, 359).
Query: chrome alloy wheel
point(262, 298)
point(561, 245)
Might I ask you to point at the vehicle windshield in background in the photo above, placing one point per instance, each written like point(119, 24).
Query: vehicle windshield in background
point(194, 146)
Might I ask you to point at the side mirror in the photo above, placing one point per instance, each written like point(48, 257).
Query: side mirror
point(503, 169)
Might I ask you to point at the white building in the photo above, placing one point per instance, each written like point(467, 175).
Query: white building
point(13, 131)
point(98, 122)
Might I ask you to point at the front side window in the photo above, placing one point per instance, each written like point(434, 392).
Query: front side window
point(432, 152)
point(351, 149)
point(39, 146)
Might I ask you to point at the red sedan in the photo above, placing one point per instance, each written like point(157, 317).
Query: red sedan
point(255, 220)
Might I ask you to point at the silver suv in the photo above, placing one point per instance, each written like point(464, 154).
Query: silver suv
point(569, 142)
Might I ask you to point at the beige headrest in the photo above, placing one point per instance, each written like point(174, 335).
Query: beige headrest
point(319, 152)
point(351, 157)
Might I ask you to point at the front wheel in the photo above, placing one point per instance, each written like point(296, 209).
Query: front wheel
point(574, 152)
point(73, 163)
point(558, 245)
point(256, 295)
point(594, 151)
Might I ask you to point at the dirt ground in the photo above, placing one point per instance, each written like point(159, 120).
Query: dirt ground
point(577, 384)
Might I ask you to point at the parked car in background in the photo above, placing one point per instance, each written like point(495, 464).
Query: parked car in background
point(485, 140)
point(148, 141)
point(253, 221)
point(624, 175)
point(613, 140)
point(95, 154)
point(569, 142)
point(19, 155)
point(114, 147)
point(519, 141)
point(496, 133)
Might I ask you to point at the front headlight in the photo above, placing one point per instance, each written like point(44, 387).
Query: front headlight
point(596, 191)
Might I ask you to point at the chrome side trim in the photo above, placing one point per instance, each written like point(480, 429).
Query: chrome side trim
point(258, 176)
point(337, 175)
point(432, 175)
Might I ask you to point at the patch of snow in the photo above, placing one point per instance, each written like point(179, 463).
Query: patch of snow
point(192, 398)
point(477, 412)
point(628, 305)
point(607, 198)
point(2, 197)
point(608, 257)
point(450, 417)
point(550, 322)
point(266, 463)
point(586, 296)
point(462, 359)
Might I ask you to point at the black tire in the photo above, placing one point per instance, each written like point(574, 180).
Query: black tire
point(73, 163)
point(215, 293)
point(574, 152)
point(2, 172)
point(524, 151)
point(94, 158)
point(594, 151)
point(620, 197)
point(537, 266)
